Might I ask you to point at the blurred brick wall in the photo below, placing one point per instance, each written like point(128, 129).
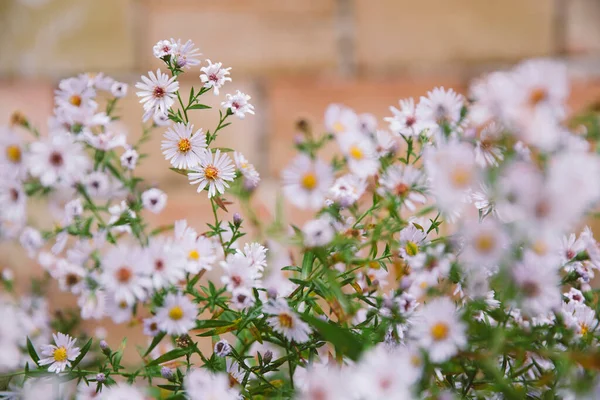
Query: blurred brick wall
point(292, 56)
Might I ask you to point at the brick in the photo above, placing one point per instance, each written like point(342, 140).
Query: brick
point(67, 36)
point(252, 36)
point(581, 26)
point(292, 99)
point(398, 33)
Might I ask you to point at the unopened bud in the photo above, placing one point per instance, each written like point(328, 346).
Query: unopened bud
point(272, 293)
point(17, 118)
point(104, 347)
point(237, 219)
point(267, 357)
point(166, 372)
point(101, 377)
point(222, 348)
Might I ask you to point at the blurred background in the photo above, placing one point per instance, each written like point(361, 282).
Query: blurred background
point(292, 56)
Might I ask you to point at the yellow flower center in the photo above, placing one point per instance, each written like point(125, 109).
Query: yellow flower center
point(13, 153)
point(440, 331)
point(194, 255)
point(540, 247)
point(485, 243)
point(537, 95)
point(286, 321)
point(584, 329)
point(356, 152)
point(211, 172)
point(176, 313)
point(411, 249)
point(338, 127)
point(309, 181)
point(75, 100)
point(461, 177)
point(184, 145)
point(60, 354)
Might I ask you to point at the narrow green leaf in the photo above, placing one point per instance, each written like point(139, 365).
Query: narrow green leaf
point(32, 353)
point(155, 342)
point(344, 341)
point(198, 107)
point(211, 323)
point(171, 355)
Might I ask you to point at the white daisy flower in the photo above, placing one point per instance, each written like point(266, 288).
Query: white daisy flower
point(165, 259)
point(571, 246)
point(439, 330)
point(163, 48)
point(125, 275)
point(487, 153)
point(360, 154)
point(75, 92)
point(539, 285)
point(248, 171)
point(237, 272)
point(57, 159)
point(97, 184)
point(238, 104)
point(306, 182)
point(212, 171)
point(157, 92)
point(318, 232)
point(151, 326)
point(12, 154)
point(121, 391)
point(405, 182)
point(119, 89)
point(60, 354)
point(286, 322)
point(486, 243)
point(92, 304)
point(177, 315)
point(154, 200)
point(70, 276)
point(214, 76)
point(198, 250)
point(340, 119)
point(129, 159)
point(161, 119)
point(13, 200)
point(182, 147)
point(185, 55)
point(412, 242)
point(242, 298)
point(119, 311)
point(31, 239)
point(441, 106)
point(256, 254)
point(347, 190)
point(405, 121)
point(200, 384)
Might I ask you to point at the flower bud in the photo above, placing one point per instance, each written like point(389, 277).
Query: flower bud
point(222, 348)
point(101, 377)
point(237, 219)
point(272, 293)
point(104, 347)
point(267, 357)
point(166, 372)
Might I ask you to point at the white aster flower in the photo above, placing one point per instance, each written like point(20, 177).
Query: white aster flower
point(318, 232)
point(60, 354)
point(539, 284)
point(177, 314)
point(31, 240)
point(182, 147)
point(248, 171)
point(487, 153)
point(406, 182)
point(92, 304)
point(307, 181)
point(198, 250)
point(75, 92)
point(360, 154)
point(440, 107)
point(256, 254)
point(200, 384)
point(340, 119)
point(185, 55)
point(166, 261)
point(12, 154)
point(439, 329)
point(214, 76)
point(405, 120)
point(13, 200)
point(212, 171)
point(486, 243)
point(238, 104)
point(412, 242)
point(57, 159)
point(157, 93)
point(163, 48)
point(286, 322)
point(347, 190)
point(241, 298)
point(125, 275)
point(237, 272)
point(154, 200)
point(129, 159)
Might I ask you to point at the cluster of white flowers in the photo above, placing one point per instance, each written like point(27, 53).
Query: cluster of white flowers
point(440, 245)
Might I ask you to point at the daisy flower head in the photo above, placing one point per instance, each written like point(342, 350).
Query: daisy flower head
point(242, 298)
point(405, 182)
point(238, 104)
point(13, 200)
point(286, 322)
point(347, 190)
point(185, 55)
point(539, 285)
point(125, 275)
point(318, 232)
point(307, 181)
point(57, 159)
point(439, 330)
point(486, 243)
point(487, 152)
point(440, 107)
point(75, 92)
point(213, 171)
point(199, 252)
point(119, 89)
point(340, 119)
point(154, 200)
point(360, 154)
point(177, 315)
point(256, 255)
point(157, 92)
point(129, 159)
point(165, 259)
point(405, 121)
point(214, 76)
point(412, 241)
point(60, 354)
point(200, 384)
point(163, 48)
point(250, 174)
point(238, 272)
point(182, 147)
point(12, 154)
